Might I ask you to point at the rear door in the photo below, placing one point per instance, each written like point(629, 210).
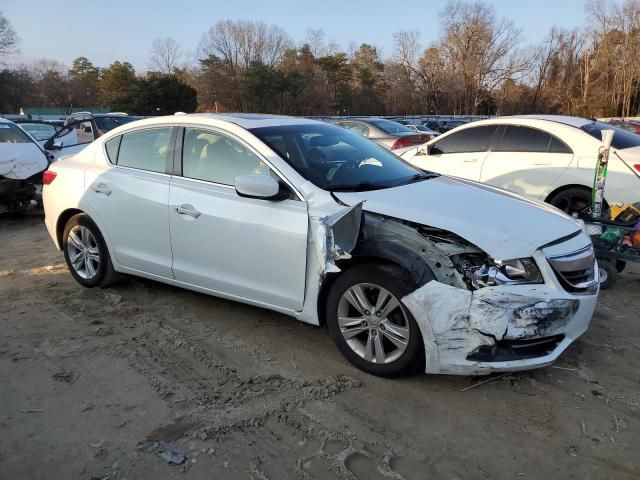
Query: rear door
point(243, 247)
point(459, 154)
point(525, 160)
point(130, 196)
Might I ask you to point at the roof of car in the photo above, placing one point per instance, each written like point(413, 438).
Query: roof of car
point(249, 120)
point(565, 119)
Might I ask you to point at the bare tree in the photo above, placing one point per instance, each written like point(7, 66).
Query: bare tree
point(241, 43)
point(480, 48)
point(166, 55)
point(8, 38)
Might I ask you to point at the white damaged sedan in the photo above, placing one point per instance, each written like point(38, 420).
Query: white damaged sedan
point(408, 270)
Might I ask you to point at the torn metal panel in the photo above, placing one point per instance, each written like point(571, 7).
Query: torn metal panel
point(19, 161)
point(335, 237)
point(455, 322)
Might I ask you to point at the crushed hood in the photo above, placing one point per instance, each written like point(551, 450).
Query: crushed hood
point(20, 161)
point(503, 224)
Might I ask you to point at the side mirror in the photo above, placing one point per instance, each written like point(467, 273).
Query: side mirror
point(53, 145)
point(264, 187)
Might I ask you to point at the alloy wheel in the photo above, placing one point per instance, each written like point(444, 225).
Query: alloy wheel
point(373, 323)
point(83, 251)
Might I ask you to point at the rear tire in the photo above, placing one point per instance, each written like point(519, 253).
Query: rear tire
point(86, 253)
point(380, 336)
point(573, 200)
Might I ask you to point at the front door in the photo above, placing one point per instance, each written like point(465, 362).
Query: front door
point(460, 154)
point(243, 247)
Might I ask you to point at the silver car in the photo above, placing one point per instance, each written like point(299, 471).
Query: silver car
point(389, 134)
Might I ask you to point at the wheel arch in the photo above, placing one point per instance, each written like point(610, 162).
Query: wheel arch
point(401, 257)
point(63, 218)
point(566, 187)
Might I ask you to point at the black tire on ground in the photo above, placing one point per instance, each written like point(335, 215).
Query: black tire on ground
point(607, 273)
point(105, 274)
point(573, 200)
point(399, 283)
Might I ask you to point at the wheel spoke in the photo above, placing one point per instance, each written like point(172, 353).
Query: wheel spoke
point(397, 335)
point(390, 307)
point(347, 322)
point(84, 235)
point(89, 268)
point(77, 261)
point(94, 254)
point(76, 242)
point(368, 349)
point(383, 298)
point(357, 298)
point(352, 332)
point(379, 348)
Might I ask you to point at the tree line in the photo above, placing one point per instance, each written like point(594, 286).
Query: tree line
point(479, 65)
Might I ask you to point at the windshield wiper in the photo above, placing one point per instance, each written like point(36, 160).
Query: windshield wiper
point(419, 177)
point(354, 187)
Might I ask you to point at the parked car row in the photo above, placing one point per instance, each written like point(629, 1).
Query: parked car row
point(27, 147)
point(409, 270)
point(549, 158)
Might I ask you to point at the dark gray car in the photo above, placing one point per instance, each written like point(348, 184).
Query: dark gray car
point(389, 134)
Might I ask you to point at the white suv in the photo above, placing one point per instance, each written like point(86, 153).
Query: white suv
point(408, 270)
point(550, 158)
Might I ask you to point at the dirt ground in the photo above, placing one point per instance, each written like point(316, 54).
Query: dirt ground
point(117, 383)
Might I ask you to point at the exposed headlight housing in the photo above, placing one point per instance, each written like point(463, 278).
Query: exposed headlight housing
point(489, 272)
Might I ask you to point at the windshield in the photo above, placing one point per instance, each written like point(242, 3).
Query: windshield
point(621, 138)
point(39, 131)
point(390, 126)
point(10, 133)
point(109, 123)
point(333, 158)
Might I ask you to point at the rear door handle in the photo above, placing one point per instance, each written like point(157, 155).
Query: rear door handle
point(101, 188)
point(471, 160)
point(542, 163)
point(186, 209)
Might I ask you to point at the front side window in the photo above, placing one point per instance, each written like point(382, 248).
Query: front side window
point(524, 139)
point(475, 139)
point(334, 158)
point(145, 149)
point(214, 157)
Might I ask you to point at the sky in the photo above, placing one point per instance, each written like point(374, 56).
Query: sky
point(123, 30)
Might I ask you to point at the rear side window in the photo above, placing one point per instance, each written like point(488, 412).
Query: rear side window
point(111, 147)
point(557, 146)
point(357, 128)
point(145, 149)
point(475, 139)
point(524, 139)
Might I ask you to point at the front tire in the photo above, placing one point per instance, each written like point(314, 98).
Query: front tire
point(86, 253)
point(369, 323)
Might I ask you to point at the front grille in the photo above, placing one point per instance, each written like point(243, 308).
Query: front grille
point(509, 350)
point(576, 271)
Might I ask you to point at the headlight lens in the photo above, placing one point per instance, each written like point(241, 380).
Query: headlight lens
point(520, 270)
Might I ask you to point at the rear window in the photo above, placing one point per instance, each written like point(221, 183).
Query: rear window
point(621, 138)
point(390, 126)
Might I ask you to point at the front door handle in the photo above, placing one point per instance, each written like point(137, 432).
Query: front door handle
point(186, 209)
point(101, 188)
point(542, 163)
point(471, 160)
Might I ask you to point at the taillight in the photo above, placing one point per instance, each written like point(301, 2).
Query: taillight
point(637, 167)
point(48, 176)
point(401, 143)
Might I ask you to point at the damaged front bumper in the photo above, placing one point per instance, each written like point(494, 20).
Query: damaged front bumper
point(500, 328)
